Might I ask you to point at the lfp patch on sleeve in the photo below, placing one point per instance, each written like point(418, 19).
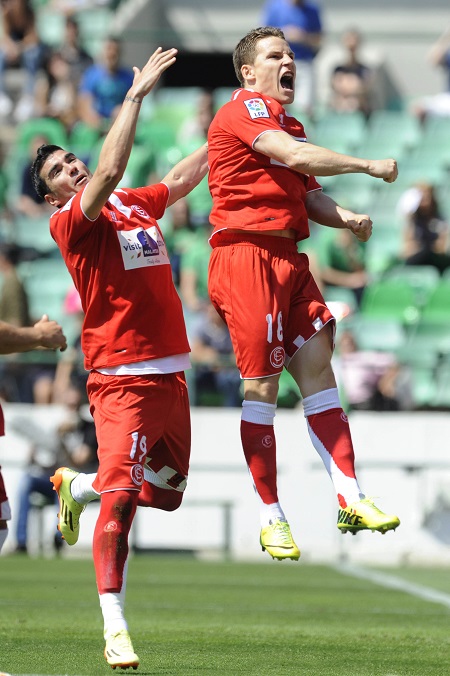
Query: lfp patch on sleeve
point(257, 108)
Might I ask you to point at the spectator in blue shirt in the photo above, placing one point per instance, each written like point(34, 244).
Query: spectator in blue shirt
point(103, 87)
point(301, 23)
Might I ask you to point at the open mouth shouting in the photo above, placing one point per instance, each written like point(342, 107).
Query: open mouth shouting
point(287, 82)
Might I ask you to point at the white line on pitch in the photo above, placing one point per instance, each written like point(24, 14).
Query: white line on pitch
point(392, 582)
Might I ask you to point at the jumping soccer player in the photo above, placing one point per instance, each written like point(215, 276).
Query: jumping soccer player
point(133, 338)
point(262, 181)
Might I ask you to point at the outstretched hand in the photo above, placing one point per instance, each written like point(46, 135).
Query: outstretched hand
point(146, 78)
point(51, 335)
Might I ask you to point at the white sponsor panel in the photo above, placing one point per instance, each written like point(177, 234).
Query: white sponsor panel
point(141, 248)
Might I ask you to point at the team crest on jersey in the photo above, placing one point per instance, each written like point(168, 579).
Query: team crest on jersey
point(277, 357)
point(139, 210)
point(257, 108)
point(137, 475)
point(141, 248)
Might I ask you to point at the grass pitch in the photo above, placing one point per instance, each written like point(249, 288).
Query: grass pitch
point(197, 618)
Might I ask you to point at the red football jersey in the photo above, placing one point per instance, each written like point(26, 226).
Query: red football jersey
point(250, 190)
point(120, 267)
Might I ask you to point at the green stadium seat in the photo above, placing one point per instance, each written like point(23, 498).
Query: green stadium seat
point(424, 388)
point(340, 294)
point(441, 399)
point(436, 131)
point(390, 299)
point(381, 148)
point(83, 139)
point(94, 26)
point(288, 392)
point(50, 127)
point(338, 130)
point(397, 125)
point(423, 279)
point(411, 172)
point(427, 342)
point(47, 282)
point(50, 26)
point(383, 249)
point(34, 232)
point(222, 95)
point(174, 105)
point(351, 192)
point(437, 308)
point(156, 135)
point(384, 335)
point(140, 164)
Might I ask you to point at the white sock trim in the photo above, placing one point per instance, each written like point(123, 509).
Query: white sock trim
point(321, 401)
point(258, 412)
point(270, 513)
point(112, 610)
point(81, 488)
point(3, 536)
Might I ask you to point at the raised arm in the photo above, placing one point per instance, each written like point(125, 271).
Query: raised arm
point(307, 158)
point(187, 174)
point(119, 141)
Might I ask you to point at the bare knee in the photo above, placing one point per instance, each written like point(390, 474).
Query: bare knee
point(262, 389)
point(311, 366)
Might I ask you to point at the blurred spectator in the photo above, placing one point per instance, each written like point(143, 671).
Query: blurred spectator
point(28, 202)
point(56, 92)
point(20, 381)
point(13, 296)
point(191, 135)
point(179, 236)
point(301, 23)
point(6, 231)
point(194, 273)
point(72, 50)
point(426, 232)
point(75, 445)
point(20, 47)
point(70, 370)
point(371, 380)
point(351, 80)
point(215, 371)
point(439, 104)
point(103, 87)
point(196, 128)
point(341, 260)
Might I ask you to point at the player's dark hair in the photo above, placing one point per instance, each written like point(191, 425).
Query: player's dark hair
point(245, 50)
point(43, 153)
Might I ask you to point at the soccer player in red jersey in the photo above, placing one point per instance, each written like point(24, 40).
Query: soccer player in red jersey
point(262, 177)
point(46, 334)
point(133, 338)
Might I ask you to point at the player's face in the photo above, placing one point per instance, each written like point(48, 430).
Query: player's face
point(273, 71)
point(65, 175)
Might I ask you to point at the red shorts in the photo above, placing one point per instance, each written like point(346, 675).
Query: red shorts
point(5, 511)
point(136, 417)
point(263, 289)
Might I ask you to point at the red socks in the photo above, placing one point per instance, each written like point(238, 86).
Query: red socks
point(110, 544)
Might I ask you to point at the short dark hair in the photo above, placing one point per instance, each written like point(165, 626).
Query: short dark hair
point(245, 50)
point(43, 153)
